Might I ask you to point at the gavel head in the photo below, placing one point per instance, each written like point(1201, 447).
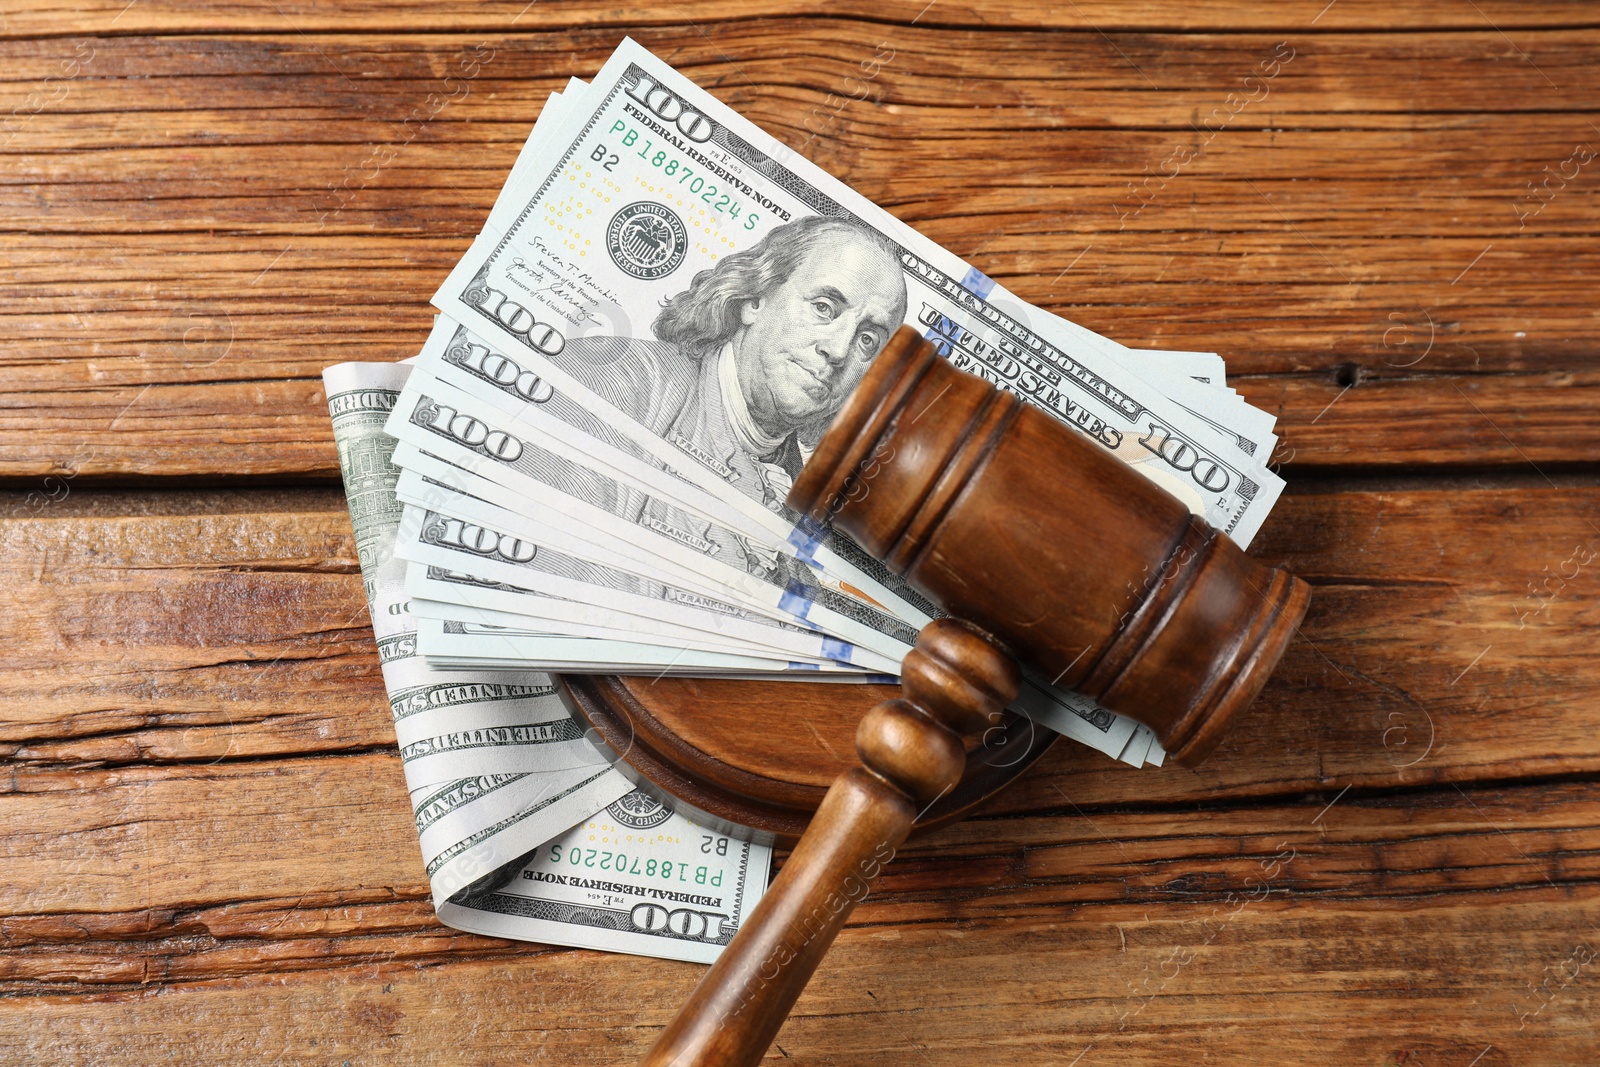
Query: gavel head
point(1089, 573)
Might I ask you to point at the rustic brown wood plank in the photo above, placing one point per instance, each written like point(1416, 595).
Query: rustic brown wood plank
point(1520, 421)
point(235, 430)
point(580, 1013)
point(43, 17)
point(116, 872)
point(132, 839)
point(779, 68)
point(1352, 219)
point(231, 625)
point(213, 626)
point(1358, 923)
point(1414, 641)
point(214, 323)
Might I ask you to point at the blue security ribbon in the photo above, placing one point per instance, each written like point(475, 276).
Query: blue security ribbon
point(805, 537)
point(794, 600)
point(979, 285)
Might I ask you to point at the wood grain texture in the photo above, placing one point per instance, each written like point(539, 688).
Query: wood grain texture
point(220, 627)
point(1366, 219)
point(1150, 937)
point(1390, 861)
point(158, 836)
point(190, 616)
point(42, 17)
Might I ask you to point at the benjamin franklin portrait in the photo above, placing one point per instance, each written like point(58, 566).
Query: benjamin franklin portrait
point(747, 367)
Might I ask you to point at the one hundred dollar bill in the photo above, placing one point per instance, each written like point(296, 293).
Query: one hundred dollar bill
point(472, 827)
point(360, 397)
point(493, 640)
point(432, 420)
point(474, 537)
point(474, 824)
point(637, 877)
point(438, 593)
point(637, 236)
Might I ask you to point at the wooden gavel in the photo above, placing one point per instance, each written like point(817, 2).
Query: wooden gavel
point(1045, 550)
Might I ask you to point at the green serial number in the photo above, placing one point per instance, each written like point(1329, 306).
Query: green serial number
point(622, 863)
point(671, 166)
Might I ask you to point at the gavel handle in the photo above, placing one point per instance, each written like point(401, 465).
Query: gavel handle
point(954, 682)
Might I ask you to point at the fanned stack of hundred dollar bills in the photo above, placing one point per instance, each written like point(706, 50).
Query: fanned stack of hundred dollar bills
point(584, 471)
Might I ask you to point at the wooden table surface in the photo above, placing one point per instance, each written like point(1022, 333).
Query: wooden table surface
point(1385, 217)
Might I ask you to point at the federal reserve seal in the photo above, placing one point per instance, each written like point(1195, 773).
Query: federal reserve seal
point(647, 240)
point(639, 811)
